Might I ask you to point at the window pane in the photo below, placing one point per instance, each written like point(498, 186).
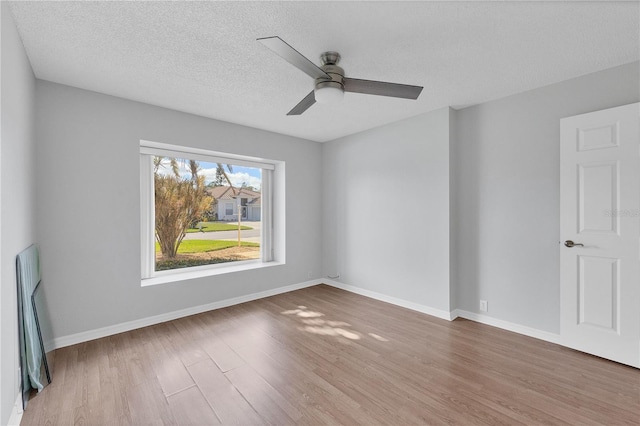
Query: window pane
point(205, 213)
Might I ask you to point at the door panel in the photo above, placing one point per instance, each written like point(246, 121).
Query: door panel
point(598, 289)
point(598, 138)
point(600, 212)
point(597, 193)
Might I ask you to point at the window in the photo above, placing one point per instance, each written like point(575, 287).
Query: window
point(195, 212)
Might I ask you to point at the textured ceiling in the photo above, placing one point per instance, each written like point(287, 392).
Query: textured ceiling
point(203, 58)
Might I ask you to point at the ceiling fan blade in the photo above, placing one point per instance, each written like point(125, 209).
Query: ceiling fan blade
point(303, 105)
point(382, 88)
point(295, 58)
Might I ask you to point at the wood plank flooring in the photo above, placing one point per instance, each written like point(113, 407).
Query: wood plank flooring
point(325, 356)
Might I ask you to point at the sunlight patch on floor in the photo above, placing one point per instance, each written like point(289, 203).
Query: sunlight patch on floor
point(380, 338)
point(319, 321)
point(332, 331)
point(303, 313)
point(316, 325)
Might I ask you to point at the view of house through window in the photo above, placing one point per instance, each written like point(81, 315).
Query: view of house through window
point(205, 213)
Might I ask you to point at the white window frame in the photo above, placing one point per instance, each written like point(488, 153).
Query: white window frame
point(272, 170)
point(226, 209)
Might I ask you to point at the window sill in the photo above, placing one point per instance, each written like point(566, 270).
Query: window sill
point(165, 277)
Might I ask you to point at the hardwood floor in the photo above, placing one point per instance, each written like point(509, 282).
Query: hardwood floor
point(326, 356)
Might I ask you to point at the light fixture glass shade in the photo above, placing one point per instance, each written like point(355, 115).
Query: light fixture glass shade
point(329, 94)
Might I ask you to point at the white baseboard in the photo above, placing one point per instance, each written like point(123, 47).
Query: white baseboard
point(509, 326)
point(85, 336)
point(450, 316)
point(16, 414)
point(389, 299)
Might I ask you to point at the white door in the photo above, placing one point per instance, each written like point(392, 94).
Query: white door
point(600, 214)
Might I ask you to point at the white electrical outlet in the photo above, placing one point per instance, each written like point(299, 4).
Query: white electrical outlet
point(309, 275)
point(484, 306)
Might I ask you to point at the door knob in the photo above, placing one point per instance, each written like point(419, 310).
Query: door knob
point(570, 244)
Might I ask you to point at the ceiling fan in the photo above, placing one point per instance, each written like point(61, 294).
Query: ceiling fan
point(330, 82)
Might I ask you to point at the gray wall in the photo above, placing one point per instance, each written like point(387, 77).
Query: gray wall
point(89, 206)
point(453, 207)
point(507, 192)
point(496, 168)
point(386, 209)
point(17, 187)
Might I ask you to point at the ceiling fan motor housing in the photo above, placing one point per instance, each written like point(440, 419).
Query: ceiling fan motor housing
point(329, 65)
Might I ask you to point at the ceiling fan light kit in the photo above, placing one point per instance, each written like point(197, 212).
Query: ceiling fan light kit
point(330, 82)
point(329, 93)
